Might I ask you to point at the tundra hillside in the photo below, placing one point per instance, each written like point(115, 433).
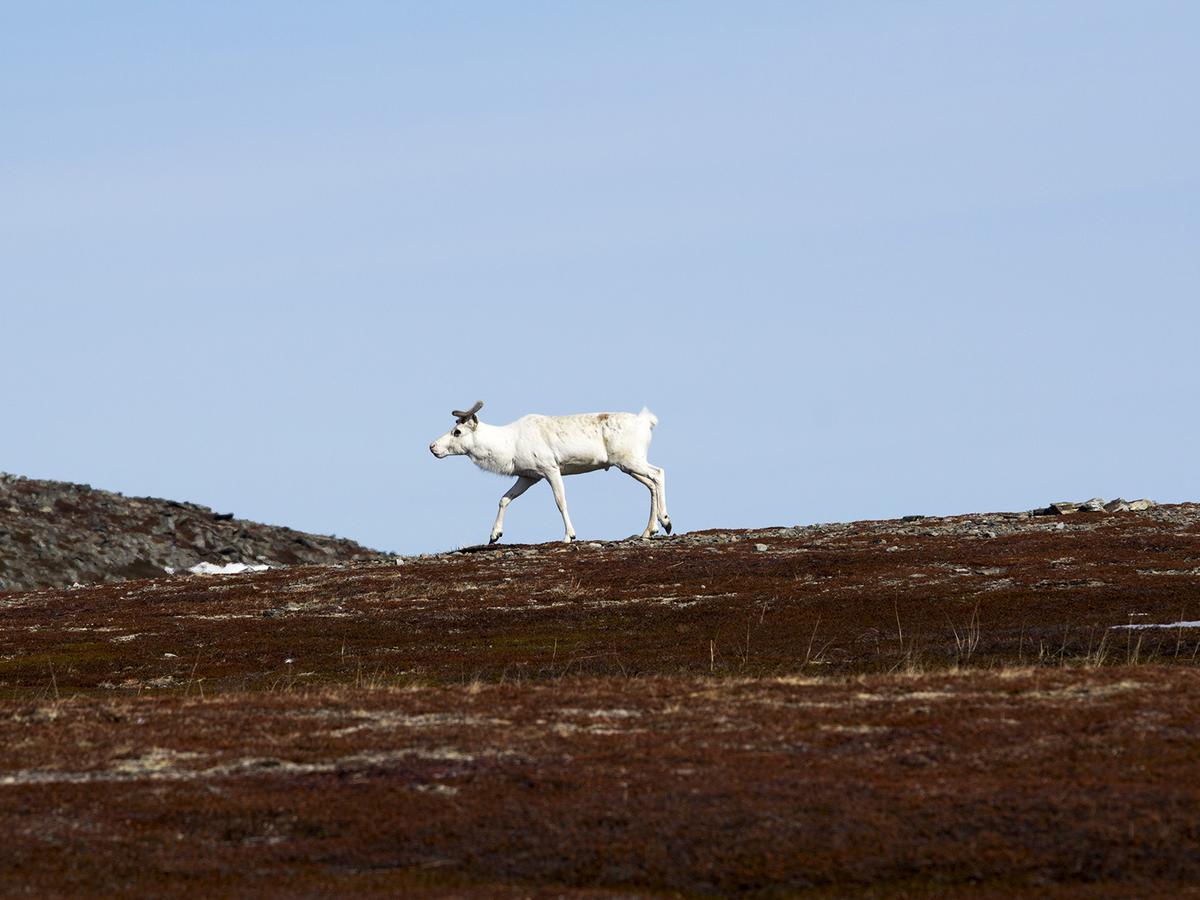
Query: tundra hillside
point(928, 707)
point(55, 534)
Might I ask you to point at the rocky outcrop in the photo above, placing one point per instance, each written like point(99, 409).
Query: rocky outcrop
point(55, 534)
point(1096, 504)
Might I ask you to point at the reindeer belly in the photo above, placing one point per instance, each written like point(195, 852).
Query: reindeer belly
point(580, 468)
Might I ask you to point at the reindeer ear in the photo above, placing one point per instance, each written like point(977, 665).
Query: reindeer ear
point(473, 421)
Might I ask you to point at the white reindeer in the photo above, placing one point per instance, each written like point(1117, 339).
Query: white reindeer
point(536, 447)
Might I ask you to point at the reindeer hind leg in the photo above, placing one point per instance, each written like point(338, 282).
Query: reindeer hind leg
point(652, 525)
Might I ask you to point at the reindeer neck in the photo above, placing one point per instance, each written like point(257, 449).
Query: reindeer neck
point(493, 450)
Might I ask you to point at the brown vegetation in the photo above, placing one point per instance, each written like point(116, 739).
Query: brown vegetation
point(891, 708)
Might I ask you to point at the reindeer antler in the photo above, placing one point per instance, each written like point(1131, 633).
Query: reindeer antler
point(462, 416)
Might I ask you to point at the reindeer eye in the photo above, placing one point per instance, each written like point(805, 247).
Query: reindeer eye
point(457, 432)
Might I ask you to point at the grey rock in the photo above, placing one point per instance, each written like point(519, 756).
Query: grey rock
point(1096, 504)
point(99, 536)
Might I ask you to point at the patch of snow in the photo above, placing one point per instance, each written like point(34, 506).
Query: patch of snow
point(1194, 624)
point(207, 568)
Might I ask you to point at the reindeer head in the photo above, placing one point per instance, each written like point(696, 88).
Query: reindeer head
point(461, 438)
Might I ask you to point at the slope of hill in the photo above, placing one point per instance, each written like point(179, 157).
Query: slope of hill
point(988, 705)
point(54, 534)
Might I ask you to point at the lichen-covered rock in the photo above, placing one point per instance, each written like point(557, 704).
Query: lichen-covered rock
point(55, 534)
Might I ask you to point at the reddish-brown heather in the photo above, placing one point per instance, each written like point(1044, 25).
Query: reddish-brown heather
point(890, 709)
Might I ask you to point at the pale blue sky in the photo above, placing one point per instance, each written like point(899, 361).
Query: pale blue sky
point(862, 259)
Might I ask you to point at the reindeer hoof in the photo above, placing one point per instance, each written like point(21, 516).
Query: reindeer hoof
point(667, 526)
point(495, 537)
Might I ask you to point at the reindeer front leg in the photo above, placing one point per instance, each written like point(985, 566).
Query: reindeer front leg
point(520, 486)
point(554, 476)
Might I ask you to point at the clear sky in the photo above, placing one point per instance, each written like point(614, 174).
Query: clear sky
point(862, 259)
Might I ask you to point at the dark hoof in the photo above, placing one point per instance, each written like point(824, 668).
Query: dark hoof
point(496, 538)
point(667, 527)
